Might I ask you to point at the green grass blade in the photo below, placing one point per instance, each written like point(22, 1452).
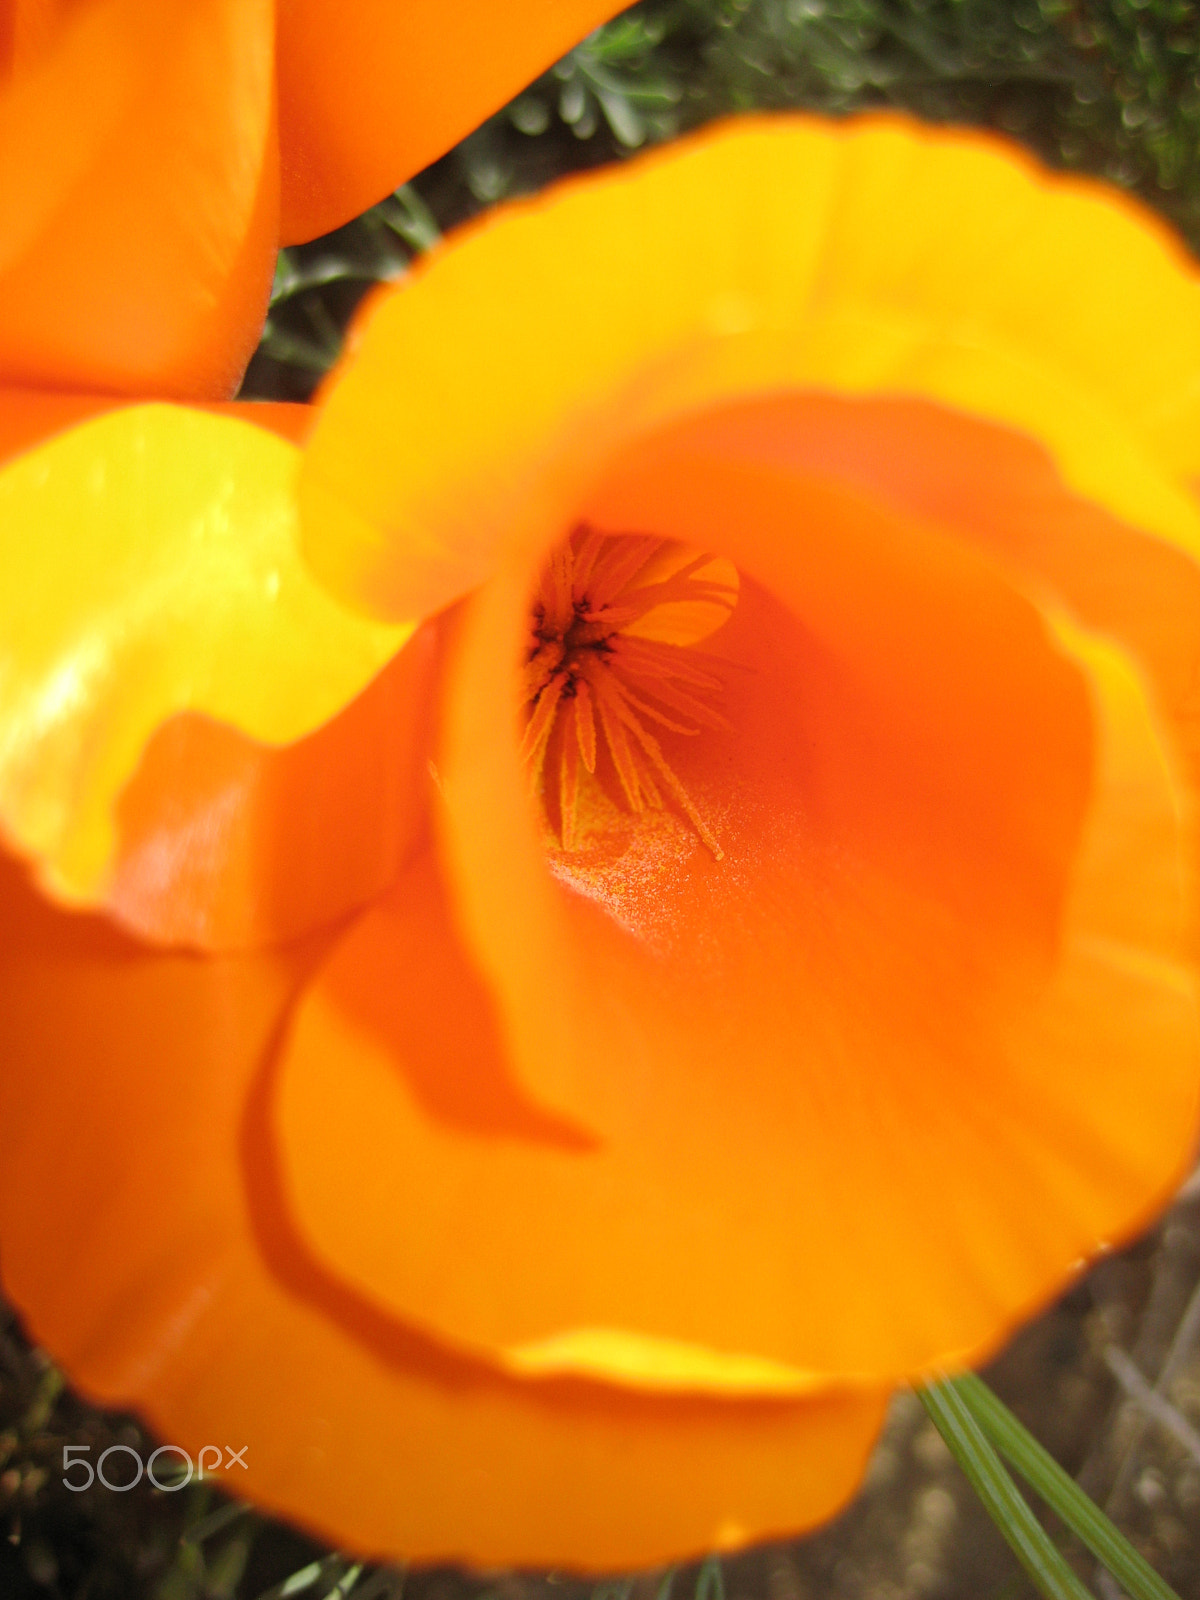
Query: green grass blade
point(983, 1467)
point(710, 1580)
point(1060, 1491)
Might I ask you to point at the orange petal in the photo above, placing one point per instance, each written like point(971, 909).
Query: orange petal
point(151, 569)
point(146, 129)
point(952, 894)
point(864, 257)
point(369, 97)
point(27, 416)
point(224, 843)
point(1002, 492)
point(288, 418)
point(27, 28)
point(145, 1244)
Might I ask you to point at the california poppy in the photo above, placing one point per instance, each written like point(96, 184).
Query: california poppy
point(154, 152)
point(688, 920)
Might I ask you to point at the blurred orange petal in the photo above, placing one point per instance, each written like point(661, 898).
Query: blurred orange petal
point(370, 95)
point(140, 161)
point(157, 1262)
point(138, 197)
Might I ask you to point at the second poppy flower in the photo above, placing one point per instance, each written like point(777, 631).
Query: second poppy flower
point(154, 153)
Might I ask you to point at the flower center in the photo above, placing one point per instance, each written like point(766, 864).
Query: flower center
point(611, 656)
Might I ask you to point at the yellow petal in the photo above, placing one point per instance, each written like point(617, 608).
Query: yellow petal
point(150, 568)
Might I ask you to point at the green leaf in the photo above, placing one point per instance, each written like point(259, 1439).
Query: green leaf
point(710, 1580)
point(407, 215)
point(1029, 1540)
point(1060, 1491)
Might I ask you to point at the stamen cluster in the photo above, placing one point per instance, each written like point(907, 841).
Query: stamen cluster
point(596, 673)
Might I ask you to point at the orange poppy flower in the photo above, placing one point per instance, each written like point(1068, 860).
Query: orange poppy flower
point(688, 920)
point(153, 152)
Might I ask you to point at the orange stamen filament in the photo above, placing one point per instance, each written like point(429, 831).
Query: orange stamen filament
point(587, 677)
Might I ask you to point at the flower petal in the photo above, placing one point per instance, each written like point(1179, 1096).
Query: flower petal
point(29, 416)
point(151, 569)
point(145, 1249)
point(1001, 491)
point(225, 843)
point(370, 97)
point(146, 130)
point(871, 256)
point(954, 892)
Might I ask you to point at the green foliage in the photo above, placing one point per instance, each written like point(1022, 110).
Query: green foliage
point(1108, 87)
point(1030, 1542)
point(976, 1425)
